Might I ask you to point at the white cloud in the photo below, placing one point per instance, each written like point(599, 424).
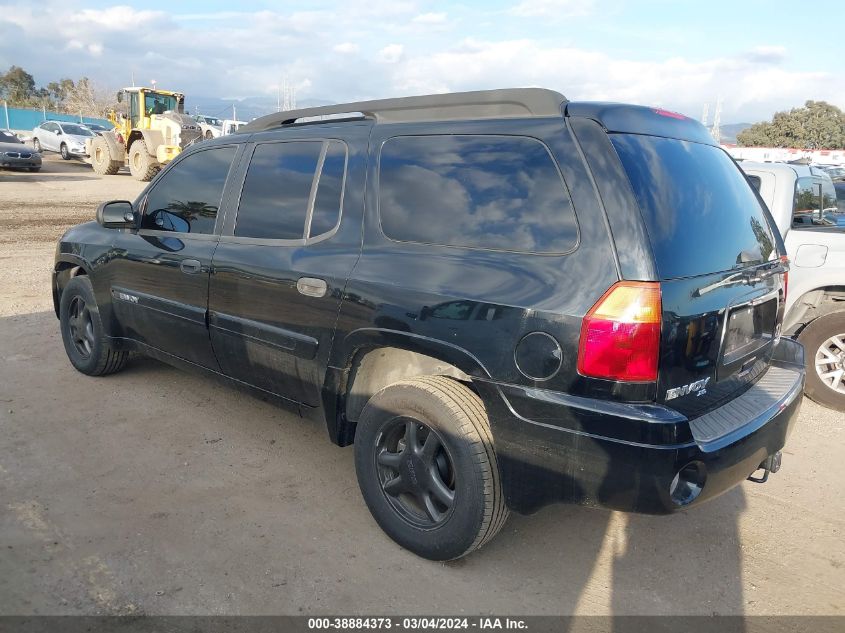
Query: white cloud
point(345, 47)
point(430, 18)
point(552, 8)
point(391, 53)
point(404, 51)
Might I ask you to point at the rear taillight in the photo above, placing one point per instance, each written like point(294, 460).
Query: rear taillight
point(620, 335)
point(785, 261)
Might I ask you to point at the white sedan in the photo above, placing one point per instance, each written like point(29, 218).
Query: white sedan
point(60, 136)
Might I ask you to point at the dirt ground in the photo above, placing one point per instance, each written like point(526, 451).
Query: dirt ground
point(154, 491)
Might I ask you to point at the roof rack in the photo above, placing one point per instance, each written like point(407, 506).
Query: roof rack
point(480, 104)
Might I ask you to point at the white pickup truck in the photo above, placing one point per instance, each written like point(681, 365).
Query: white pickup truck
point(802, 200)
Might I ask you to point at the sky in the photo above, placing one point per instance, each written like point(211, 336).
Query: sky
point(757, 56)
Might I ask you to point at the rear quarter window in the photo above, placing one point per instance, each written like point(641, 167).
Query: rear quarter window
point(700, 211)
point(475, 191)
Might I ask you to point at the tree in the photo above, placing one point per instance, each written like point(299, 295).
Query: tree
point(17, 86)
point(818, 125)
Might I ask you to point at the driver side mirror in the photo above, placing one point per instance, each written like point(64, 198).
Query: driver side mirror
point(117, 214)
point(58, 132)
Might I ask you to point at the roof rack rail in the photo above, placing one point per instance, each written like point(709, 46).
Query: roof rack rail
point(480, 104)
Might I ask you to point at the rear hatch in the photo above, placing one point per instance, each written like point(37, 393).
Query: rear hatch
point(721, 276)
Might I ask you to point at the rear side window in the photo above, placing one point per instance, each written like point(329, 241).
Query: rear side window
point(279, 185)
point(755, 181)
point(700, 213)
point(487, 192)
point(813, 197)
point(185, 199)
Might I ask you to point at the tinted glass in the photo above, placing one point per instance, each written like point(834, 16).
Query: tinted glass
point(78, 130)
point(329, 190)
point(699, 210)
point(812, 194)
point(274, 200)
point(187, 197)
point(6, 137)
point(755, 181)
point(491, 192)
point(840, 196)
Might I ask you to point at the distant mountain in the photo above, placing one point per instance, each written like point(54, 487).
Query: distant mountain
point(246, 108)
point(730, 130)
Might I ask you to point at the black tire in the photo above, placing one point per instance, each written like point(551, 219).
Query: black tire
point(101, 158)
point(817, 337)
point(142, 166)
point(208, 135)
point(82, 331)
point(63, 150)
point(463, 459)
point(36, 145)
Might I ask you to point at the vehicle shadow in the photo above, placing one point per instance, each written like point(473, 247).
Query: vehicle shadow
point(593, 561)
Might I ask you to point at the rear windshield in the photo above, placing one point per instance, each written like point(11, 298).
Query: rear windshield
point(700, 212)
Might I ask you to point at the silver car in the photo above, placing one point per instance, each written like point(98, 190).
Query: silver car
point(60, 136)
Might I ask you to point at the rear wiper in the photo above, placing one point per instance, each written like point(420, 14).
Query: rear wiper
point(746, 277)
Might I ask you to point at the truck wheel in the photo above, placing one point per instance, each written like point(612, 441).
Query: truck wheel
point(64, 152)
point(141, 164)
point(36, 145)
point(101, 159)
point(824, 345)
point(427, 468)
point(82, 331)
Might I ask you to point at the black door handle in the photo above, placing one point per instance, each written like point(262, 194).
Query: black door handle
point(190, 266)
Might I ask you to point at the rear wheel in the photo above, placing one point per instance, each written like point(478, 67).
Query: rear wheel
point(142, 166)
point(101, 158)
point(82, 331)
point(824, 348)
point(427, 469)
point(63, 150)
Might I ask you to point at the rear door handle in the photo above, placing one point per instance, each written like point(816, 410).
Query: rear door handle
point(311, 287)
point(190, 266)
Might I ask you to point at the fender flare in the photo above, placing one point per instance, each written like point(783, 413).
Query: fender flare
point(337, 380)
point(117, 151)
point(74, 261)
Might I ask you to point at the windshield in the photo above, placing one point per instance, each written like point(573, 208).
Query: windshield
point(155, 103)
point(6, 137)
point(77, 130)
point(211, 120)
point(700, 212)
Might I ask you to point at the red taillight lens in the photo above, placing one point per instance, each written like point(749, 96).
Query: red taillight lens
point(785, 260)
point(620, 335)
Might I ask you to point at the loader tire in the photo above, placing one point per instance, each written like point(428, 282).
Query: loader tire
point(101, 158)
point(142, 166)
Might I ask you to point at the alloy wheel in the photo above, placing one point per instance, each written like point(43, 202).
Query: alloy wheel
point(416, 472)
point(81, 327)
point(830, 362)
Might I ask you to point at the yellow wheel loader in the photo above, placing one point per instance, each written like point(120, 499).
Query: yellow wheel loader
point(151, 135)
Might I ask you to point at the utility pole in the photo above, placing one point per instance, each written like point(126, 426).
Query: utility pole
point(234, 113)
point(6, 107)
point(705, 114)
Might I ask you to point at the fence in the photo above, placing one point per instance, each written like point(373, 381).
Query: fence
point(24, 119)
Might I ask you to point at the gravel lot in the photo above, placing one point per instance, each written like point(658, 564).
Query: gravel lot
point(154, 491)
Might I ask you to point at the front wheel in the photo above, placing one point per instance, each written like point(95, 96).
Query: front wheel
point(82, 331)
point(427, 468)
point(142, 165)
point(63, 150)
point(824, 345)
point(36, 145)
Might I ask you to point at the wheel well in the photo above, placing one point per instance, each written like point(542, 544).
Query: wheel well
point(812, 305)
point(371, 370)
point(65, 271)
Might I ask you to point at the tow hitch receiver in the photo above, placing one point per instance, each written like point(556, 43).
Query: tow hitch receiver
point(770, 465)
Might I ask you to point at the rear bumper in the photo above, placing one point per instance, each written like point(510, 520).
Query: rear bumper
point(639, 458)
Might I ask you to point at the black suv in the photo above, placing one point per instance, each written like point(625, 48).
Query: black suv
point(504, 300)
